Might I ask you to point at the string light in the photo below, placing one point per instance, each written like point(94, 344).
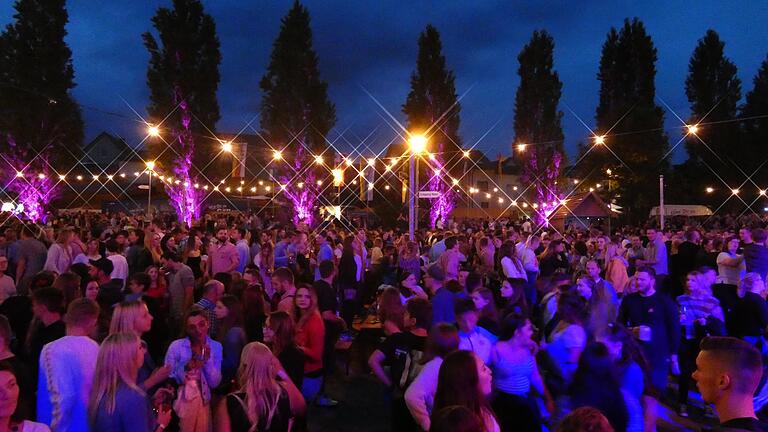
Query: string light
point(466, 153)
point(226, 146)
point(122, 175)
point(692, 129)
point(521, 147)
point(371, 162)
point(268, 188)
point(19, 174)
point(79, 177)
point(599, 139)
point(41, 176)
point(153, 131)
point(319, 182)
point(277, 155)
point(735, 191)
point(261, 182)
point(319, 160)
point(709, 190)
point(62, 177)
point(253, 189)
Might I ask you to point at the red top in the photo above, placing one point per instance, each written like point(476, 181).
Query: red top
point(311, 337)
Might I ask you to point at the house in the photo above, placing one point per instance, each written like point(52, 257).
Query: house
point(109, 153)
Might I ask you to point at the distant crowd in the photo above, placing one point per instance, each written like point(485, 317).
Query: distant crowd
point(110, 322)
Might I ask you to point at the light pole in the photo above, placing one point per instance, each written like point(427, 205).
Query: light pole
point(150, 169)
point(416, 144)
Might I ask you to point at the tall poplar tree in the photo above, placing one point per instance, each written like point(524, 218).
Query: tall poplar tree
point(296, 113)
point(714, 91)
point(41, 128)
point(183, 77)
point(635, 144)
point(537, 117)
point(755, 123)
point(432, 109)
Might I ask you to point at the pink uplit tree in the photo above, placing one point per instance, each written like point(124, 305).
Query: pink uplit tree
point(185, 198)
point(301, 188)
point(31, 182)
point(441, 206)
point(543, 175)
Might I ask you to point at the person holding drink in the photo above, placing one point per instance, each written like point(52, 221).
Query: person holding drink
point(700, 316)
point(653, 319)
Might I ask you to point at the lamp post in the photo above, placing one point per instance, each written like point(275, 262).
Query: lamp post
point(150, 168)
point(416, 144)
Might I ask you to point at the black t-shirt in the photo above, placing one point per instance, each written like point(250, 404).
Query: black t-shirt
point(751, 316)
point(326, 297)
point(292, 360)
point(402, 352)
point(18, 310)
point(744, 423)
point(238, 417)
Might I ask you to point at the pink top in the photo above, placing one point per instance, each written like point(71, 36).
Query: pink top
point(223, 258)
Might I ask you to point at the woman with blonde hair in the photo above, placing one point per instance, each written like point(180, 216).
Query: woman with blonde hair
point(616, 267)
point(266, 399)
point(117, 403)
point(134, 317)
point(60, 253)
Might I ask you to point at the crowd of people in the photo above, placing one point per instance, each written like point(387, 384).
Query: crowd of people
point(110, 322)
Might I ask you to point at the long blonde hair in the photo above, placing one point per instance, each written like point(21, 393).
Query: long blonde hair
point(256, 376)
point(115, 365)
point(125, 316)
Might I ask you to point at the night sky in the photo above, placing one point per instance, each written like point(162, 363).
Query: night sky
point(372, 45)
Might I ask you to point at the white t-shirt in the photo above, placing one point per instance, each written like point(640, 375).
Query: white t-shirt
point(513, 269)
point(120, 270)
point(728, 274)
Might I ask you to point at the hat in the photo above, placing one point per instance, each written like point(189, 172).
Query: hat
point(435, 272)
point(103, 264)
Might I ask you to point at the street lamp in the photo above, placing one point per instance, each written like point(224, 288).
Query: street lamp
point(417, 144)
point(150, 168)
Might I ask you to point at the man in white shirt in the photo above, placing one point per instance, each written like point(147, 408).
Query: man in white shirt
point(67, 366)
point(472, 337)
point(7, 285)
point(119, 263)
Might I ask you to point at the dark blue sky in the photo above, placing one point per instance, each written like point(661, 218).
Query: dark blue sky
point(372, 45)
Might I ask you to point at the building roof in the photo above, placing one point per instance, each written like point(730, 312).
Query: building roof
point(587, 204)
point(117, 150)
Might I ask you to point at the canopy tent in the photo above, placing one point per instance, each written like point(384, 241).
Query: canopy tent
point(682, 210)
point(581, 209)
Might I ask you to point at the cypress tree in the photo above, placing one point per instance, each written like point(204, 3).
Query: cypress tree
point(183, 77)
point(755, 122)
point(713, 90)
point(635, 144)
point(40, 123)
point(537, 118)
point(432, 108)
point(184, 67)
point(296, 112)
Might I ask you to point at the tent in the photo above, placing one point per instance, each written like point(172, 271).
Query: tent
point(581, 210)
point(682, 210)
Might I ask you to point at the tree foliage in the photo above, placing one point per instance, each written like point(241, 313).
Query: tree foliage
point(537, 117)
point(432, 108)
point(635, 146)
point(184, 66)
point(295, 107)
point(39, 118)
point(713, 90)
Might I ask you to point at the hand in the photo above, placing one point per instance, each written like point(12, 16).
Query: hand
point(158, 375)
point(635, 332)
point(164, 416)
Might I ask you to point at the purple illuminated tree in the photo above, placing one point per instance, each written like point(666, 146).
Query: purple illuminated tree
point(183, 77)
point(296, 114)
point(538, 121)
point(41, 130)
point(433, 109)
